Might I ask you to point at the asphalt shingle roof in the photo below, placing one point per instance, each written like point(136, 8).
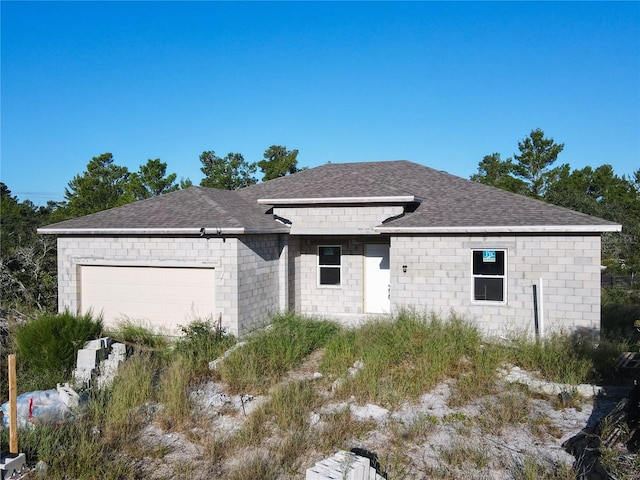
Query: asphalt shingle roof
point(194, 207)
point(447, 201)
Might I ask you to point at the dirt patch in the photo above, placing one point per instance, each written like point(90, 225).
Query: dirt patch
point(422, 439)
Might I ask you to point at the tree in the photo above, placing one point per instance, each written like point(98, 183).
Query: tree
point(228, 173)
point(103, 185)
point(537, 154)
point(151, 180)
point(278, 162)
point(492, 170)
point(599, 192)
point(604, 194)
point(27, 261)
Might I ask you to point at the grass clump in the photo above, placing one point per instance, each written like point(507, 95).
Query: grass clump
point(567, 359)
point(269, 354)
point(288, 409)
point(338, 429)
point(461, 453)
point(138, 335)
point(291, 405)
point(118, 409)
point(256, 466)
point(187, 364)
point(505, 409)
point(402, 357)
point(201, 342)
point(73, 450)
point(530, 468)
point(47, 346)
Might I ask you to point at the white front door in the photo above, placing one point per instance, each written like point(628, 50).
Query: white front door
point(377, 278)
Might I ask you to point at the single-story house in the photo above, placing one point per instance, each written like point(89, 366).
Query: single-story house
point(344, 241)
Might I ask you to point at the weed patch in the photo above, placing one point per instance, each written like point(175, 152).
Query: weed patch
point(403, 357)
point(269, 354)
point(134, 333)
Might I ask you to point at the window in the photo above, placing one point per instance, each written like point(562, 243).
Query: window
point(489, 275)
point(329, 265)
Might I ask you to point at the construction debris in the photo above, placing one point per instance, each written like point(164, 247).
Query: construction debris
point(97, 363)
point(10, 465)
point(628, 364)
point(347, 466)
point(52, 406)
point(608, 432)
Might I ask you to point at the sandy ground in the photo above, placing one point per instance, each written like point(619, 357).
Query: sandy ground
point(495, 455)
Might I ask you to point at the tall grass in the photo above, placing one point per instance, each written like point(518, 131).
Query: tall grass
point(269, 354)
point(72, 451)
point(119, 408)
point(135, 333)
point(202, 342)
point(565, 358)
point(403, 357)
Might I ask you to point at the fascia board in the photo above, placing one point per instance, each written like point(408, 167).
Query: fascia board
point(338, 200)
point(208, 231)
point(505, 229)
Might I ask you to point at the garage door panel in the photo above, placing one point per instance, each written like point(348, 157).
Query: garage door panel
point(165, 297)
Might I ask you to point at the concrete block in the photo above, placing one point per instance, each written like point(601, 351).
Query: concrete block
point(118, 348)
point(10, 465)
point(89, 358)
point(98, 343)
point(82, 377)
point(68, 395)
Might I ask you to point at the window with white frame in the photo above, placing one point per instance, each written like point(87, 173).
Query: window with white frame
point(329, 265)
point(489, 275)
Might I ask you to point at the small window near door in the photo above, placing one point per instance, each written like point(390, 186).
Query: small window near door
point(489, 277)
point(329, 265)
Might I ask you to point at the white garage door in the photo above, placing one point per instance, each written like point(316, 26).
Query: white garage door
point(161, 297)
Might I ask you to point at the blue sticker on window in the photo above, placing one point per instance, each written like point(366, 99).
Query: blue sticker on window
point(489, 256)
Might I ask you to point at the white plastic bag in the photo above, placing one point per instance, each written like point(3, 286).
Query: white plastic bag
point(40, 406)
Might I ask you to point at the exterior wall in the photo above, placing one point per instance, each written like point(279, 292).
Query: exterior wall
point(344, 302)
point(220, 253)
point(293, 268)
point(258, 280)
point(335, 218)
point(439, 278)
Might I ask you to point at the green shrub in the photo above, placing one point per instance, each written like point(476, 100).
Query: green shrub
point(618, 321)
point(49, 343)
point(202, 341)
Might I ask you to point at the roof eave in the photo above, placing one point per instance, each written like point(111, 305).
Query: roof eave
point(504, 229)
point(339, 200)
point(202, 231)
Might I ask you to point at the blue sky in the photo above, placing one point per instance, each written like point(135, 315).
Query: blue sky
point(441, 84)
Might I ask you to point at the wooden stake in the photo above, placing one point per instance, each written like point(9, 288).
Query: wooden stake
point(13, 406)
